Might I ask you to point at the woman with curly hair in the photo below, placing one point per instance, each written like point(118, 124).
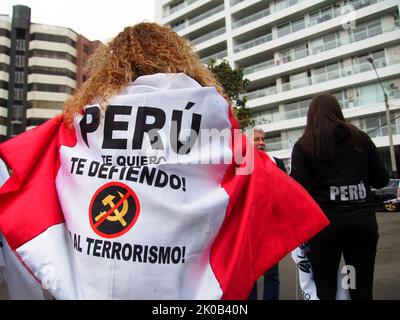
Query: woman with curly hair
point(135, 191)
point(144, 49)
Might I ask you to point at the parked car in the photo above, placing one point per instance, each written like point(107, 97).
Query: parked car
point(389, 192)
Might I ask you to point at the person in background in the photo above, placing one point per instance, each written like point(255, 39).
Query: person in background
point(337, 164)
point(271, 277)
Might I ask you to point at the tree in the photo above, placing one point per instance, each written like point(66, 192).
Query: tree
point(233, 84)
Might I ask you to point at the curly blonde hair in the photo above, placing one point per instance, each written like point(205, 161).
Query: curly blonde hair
point(142, 49)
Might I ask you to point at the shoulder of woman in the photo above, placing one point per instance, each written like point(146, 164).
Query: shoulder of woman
point(298, 147)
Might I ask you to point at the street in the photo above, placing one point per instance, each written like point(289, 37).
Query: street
point(387, 267)
point(387, 264)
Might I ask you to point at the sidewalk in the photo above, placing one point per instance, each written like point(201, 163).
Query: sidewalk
point(387, 264)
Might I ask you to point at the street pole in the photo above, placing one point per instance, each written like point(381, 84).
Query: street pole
point(388, 122)
point(390, 134)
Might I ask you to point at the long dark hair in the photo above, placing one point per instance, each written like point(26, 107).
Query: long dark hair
point(323, 117)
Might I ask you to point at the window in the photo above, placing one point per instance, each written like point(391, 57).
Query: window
point(330, 41)
point(284, 56)
point(300, 51)
point(333, 71)
point(296, 109)
point(360, 32)
point(394, 54)
point(298, 80)
point(283, 29)
point(379, 58)
point(369, 94)
point(18, 94)
point(294, 135)
point(319, 75)
point(266, 116)
point(20, 45)
point(177, 23)
point(298, 24)
point(176, 4)
point(374, 28)
point(317, 45)
point(364, 65)
point(40, 104)
point(50, 88)
point(17, 111)
point(5, 33)
point(376, 126)
point(20, 61)
point(52, 71)
point(19, 77)
point(339, 97)
point(52, 55)
point(322, 15)
point(292, 26)
point(291, 110)
point(53, 38)
point(273, 142)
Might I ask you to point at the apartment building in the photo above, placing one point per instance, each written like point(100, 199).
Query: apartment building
point(40, 67)
point(292, 50)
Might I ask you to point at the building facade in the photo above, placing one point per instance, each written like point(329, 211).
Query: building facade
point(292, 50)
point(40, 68)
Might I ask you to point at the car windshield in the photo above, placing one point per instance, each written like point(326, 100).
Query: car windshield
point(393, 183)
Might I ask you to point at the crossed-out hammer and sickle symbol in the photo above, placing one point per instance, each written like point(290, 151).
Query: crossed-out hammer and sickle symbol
point(116, 215)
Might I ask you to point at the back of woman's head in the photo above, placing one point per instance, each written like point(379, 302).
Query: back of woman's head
point(323, 118)
point(143, 49)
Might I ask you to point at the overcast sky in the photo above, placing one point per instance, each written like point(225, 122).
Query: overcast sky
point(94, 19)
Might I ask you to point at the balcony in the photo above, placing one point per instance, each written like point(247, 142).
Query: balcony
point(366, 101)
point(216, 56)
point(208, 36)
point(286, 4)
point(259, 67)
point(346, 104)
point(180, 6)
point(316, 79)
point(260, 93)
point(253, 43)
point(251, 18)
point(234, 2)
point(206, 14)
point(198, 18)
point(293, 56)
point(335, 12)
point(277, 146)
point(279, 40)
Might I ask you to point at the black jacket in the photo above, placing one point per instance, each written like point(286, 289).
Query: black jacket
point(280, 164)
point(342, 184)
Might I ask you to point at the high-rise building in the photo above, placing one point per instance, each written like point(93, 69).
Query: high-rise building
point(40, 67)
point(292, 50)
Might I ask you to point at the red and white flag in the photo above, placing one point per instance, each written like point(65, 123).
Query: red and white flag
point(21, 284)
point(143, 201)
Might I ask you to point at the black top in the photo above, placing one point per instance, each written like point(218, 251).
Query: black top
point(342, 184)
point(280, 164)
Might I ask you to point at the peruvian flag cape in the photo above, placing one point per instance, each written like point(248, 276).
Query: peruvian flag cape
point(117, 207)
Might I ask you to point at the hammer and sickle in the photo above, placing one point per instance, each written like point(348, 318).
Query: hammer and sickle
point(116, 215)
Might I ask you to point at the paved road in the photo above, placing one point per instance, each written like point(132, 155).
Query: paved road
point(387, 267)
point(387, 264)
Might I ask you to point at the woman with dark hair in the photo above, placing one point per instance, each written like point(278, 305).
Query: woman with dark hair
point(337, 164)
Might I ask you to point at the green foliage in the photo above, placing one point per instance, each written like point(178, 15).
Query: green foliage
point(233, 84)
